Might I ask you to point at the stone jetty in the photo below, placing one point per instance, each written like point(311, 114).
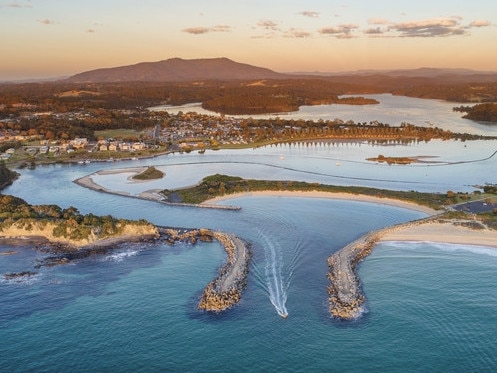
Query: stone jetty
point(345, 295)
point(346, 300)
point(226, 289)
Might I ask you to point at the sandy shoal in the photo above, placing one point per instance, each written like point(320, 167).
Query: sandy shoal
point(447, 232)
point(331, 195)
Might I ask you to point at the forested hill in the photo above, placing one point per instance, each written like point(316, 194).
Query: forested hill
point(176, 70)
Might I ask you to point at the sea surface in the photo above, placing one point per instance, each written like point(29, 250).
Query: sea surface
point(430, 307)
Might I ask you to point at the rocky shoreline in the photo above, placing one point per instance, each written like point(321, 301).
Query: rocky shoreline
point(219, 295)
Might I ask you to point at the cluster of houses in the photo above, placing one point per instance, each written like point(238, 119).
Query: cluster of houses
point(57, 147)
point(112, 145)
point(109, 145)
point(184, 127)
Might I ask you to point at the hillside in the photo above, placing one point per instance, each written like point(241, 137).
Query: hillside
point(178, 70)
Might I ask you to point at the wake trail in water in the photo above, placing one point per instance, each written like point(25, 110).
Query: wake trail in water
point(274, 277)
point(282, 255)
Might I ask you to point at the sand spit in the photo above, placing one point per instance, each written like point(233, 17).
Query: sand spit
point(149, 195)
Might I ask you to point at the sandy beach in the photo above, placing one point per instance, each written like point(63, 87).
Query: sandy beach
point(447, 232)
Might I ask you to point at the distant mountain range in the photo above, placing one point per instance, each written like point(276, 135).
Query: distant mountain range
point(224, 69)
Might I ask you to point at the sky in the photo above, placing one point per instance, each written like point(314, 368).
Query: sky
point(56, 38)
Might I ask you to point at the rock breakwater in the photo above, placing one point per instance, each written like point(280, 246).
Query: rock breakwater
point(345, 295)
point(226, 289)
point(346, 300)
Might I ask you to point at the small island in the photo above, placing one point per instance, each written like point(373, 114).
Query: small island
point(151, 173)
point(393, 160)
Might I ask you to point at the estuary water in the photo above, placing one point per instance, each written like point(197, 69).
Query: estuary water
point(392, 110)
point(429, 306)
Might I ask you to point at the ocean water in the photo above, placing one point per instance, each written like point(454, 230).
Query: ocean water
point(430, 307)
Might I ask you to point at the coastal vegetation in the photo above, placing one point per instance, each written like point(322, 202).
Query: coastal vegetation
point(150, 173)
point(63, 225)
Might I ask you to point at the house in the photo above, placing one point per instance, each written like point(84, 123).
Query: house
point(79, 143)
point(138, 146)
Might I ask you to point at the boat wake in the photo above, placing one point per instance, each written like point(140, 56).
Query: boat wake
point(277, 273)
point(276, 286)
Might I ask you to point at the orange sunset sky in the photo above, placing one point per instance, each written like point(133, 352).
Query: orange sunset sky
point(50, 38)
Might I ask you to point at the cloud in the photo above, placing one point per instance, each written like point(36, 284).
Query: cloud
point(206, 30)
point(299, 34)
point(343, 31)
point(309, 13)
point(479, 23)
point(429, 28)
point(91, 30)
point(438, 27)
point(268, 25)
point(47, 21)
point(374, 31)
point(221, 28)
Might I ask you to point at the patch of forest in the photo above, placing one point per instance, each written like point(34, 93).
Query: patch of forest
point(462, 92)
point(62, 97)
point(486, 112)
